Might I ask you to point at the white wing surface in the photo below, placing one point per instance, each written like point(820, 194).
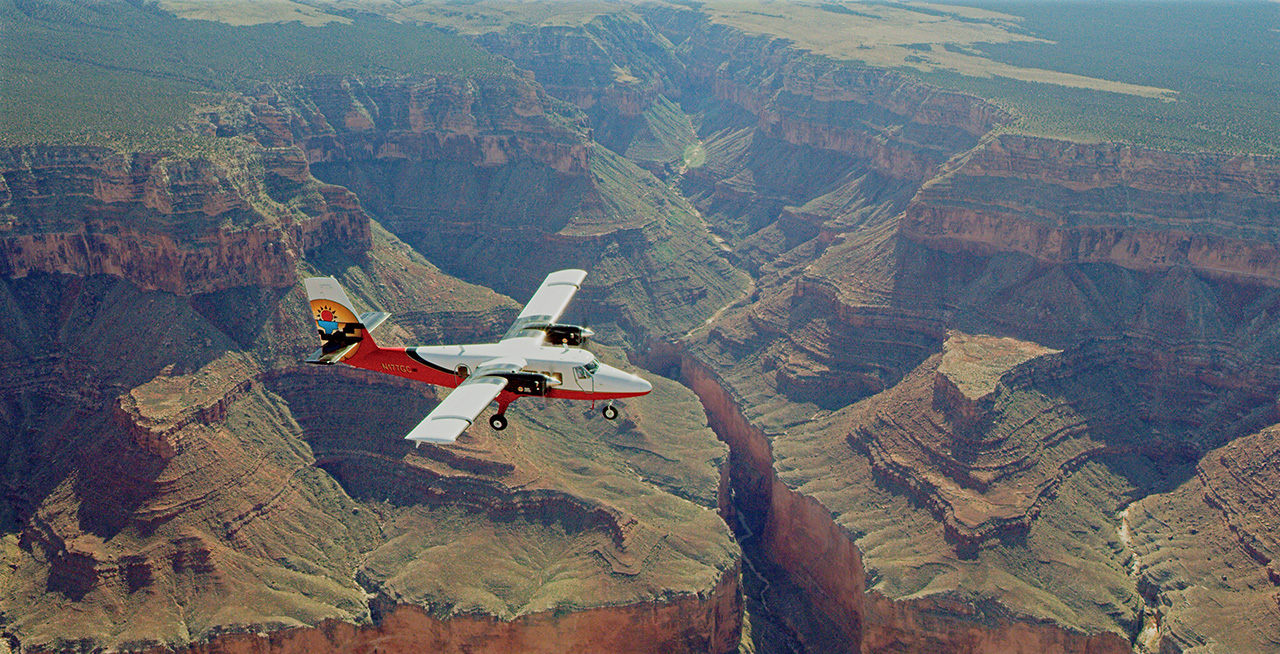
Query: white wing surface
point(548, 302)
point(452, 416)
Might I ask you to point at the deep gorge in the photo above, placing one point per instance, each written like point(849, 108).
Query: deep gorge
point(885, 498)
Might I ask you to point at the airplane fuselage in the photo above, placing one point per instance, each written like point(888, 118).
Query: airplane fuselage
point(576, 373)
point(536, 357)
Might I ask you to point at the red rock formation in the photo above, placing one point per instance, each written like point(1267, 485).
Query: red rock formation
point(1137, 208)
point(1205, 554)
point(684, 624)
point(183, 225)
point(494, 123)
point(860, 111)
point(820, 557)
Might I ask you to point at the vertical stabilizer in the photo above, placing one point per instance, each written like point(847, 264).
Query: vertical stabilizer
point(341, 332)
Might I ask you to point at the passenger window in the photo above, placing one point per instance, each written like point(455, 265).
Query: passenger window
point(462, 370)
point(580, 372)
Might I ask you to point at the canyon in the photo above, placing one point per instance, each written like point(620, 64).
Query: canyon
point(921, 384)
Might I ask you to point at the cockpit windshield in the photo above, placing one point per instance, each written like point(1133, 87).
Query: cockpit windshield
point(592, 367)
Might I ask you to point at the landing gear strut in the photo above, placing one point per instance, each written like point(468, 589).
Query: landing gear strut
point(609, 412)
point(499, 420)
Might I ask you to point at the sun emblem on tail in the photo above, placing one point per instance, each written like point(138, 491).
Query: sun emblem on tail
point(326, 319)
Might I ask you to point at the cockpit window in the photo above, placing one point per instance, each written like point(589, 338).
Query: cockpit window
point(585, 371)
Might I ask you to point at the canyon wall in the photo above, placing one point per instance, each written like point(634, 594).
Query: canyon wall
point(902, 127)
point(1122, 299)
point(1152, 272)
point(181, 224)
point(1124, 205)
point(696, 623)
point(796, 532)
point(241, 495)
point(205, 496)
point(507, 171)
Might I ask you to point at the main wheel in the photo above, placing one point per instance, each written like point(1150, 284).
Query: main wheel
point(609, 412)
point(498, 421)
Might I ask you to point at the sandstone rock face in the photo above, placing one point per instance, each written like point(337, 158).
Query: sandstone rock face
point(681, 625)
point(192, 495)
point(1135, 283)
point(792, 528)
point(1107, 203)
point(502, 170)
point(612, 66)
point(183, 225)
point(941, 479)
point(962, 355)
point(1206, 553)
point(903, 128)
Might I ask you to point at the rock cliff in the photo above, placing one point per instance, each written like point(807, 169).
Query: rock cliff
point(1123, 205)
point(962, 358)
point(178, 481)
point(186, 225)
point(797, 529)
point(206, 490)
point(618, 70)
point(506, 170)
point(1137, 282)
point(1205, 553)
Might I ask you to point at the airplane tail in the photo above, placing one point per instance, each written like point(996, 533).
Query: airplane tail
point(341, 332)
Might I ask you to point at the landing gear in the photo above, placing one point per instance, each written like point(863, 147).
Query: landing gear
point(499, 420)
point(609, 412)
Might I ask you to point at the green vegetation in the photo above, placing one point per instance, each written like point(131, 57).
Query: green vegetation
point(121, 76)
point(1177, 75)
point(482, 16)
point(1222, 59)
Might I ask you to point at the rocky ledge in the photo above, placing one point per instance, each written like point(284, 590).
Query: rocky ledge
point(185, 224)
point(1137, 208)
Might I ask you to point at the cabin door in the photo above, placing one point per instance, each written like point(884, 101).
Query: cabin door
point(585, 380)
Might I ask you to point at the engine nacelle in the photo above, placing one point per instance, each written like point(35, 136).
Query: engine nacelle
point(571, 335)
point(529, 383)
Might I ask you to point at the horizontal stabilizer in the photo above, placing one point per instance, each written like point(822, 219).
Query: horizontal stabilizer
point(329, 358)
point(371, 319)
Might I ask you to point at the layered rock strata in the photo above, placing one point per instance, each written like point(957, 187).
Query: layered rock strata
point(792, 528)
point(684, 624)
point(505, 170)
point(615, 67)
point(226, 494)
point(1149, 270)
point(185, 225)
point(1205, 555)
point(1123, 205)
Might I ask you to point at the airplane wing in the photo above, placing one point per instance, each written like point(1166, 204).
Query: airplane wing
point(548, 302)
point(453, 415)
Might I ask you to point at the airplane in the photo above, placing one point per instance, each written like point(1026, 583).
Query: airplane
point(537, 357)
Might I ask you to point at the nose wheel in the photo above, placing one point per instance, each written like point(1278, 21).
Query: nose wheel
point(498, 422)
point(609, 412)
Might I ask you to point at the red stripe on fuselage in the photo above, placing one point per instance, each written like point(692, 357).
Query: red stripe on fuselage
point(557, 393)
point(396, 361)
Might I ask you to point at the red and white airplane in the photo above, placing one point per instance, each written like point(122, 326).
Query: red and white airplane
point(537, 357)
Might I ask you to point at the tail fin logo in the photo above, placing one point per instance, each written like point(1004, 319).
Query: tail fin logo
point(327, 319)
